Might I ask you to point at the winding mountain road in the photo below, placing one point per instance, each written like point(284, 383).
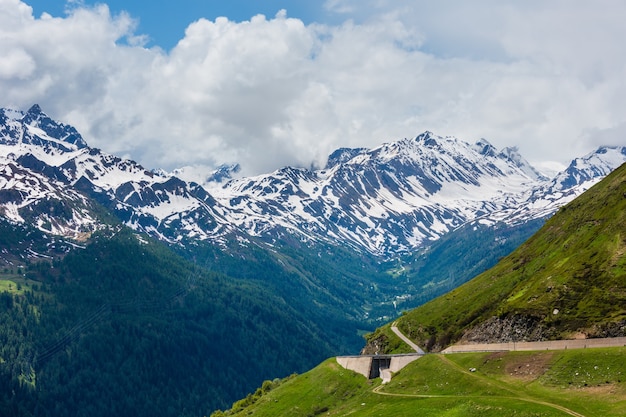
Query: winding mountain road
point(520, 346)
point(406, 340)
point(545, 345)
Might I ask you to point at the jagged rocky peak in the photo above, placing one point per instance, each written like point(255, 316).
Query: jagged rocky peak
point(483, 147)
point(343, 155)
point(385, 200)
point(223, 173)
point(35, 117)
point(3, 116)
point(35, 112)
point(513, 155)
point(407, 148)
point(593, 165)
point(427, 147)
point(427, 138)
point(441, 145)
point(409, 145)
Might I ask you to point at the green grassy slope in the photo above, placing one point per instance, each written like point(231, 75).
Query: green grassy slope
point(569, 277)
point(587, 382)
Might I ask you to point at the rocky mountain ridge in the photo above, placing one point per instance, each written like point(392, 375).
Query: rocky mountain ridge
point(401, 195)
point(384, 201)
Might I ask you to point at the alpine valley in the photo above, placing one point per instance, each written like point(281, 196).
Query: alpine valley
point(130, 289)
point(563, 289)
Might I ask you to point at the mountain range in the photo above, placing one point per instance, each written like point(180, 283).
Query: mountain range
point(387, 201)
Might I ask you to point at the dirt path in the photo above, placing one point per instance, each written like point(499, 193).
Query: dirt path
point(491, 397)
point(516, 394)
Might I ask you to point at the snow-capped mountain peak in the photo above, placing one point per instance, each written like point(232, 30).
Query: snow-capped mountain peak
point(387, 200)
point(596, 164)
point(35, 119)
point(512, 153)
point(342, 155)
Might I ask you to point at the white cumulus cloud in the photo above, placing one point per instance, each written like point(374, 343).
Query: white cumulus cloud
point(549, 77)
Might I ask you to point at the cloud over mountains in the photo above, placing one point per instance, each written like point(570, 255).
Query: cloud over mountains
point(272, 91)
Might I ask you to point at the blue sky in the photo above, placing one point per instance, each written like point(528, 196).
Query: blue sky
point(172, 85)
point(165, 21)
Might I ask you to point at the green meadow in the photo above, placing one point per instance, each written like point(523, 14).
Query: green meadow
point(585, 382)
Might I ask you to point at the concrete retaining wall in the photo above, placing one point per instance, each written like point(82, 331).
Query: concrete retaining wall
point(359, 364)
point(363, 364)
point(400, 361)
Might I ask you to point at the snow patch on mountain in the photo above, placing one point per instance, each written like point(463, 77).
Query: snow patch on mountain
point(391, 199)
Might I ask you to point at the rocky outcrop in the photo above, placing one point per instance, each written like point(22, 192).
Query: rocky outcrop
point(375, 345)
point(516, 328)
point(520, 328)
point(615, 329)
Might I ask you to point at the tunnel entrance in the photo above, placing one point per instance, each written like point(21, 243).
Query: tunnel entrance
point(378, 363)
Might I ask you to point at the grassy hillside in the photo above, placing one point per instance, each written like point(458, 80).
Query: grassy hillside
point(567, 279)
point(588, 382)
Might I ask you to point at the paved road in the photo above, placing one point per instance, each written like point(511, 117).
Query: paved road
point(405, 339)
point(549, 345)
point(513, 346)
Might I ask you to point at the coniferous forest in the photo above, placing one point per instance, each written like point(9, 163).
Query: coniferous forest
point(126, 327)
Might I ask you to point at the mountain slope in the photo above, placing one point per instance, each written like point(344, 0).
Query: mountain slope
point(125, 327)
point(567, 279)
point(402, 205)
point(297, 252)
point(160, 205)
